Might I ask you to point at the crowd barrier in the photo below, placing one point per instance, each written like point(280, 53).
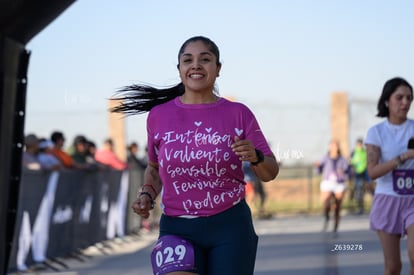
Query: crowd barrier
point(62, 212)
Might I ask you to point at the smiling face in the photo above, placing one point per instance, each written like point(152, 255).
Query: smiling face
point(399, 104)
point(198, 67)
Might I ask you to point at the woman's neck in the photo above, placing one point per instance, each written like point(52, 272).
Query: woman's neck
point(397, 120)
point(188, 98)
point(333, 155)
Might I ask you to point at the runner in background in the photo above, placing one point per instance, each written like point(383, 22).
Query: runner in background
point(391, 165)
point(333, 168)
point(359, 174)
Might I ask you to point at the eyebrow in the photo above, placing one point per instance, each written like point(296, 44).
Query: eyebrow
point(202, 53)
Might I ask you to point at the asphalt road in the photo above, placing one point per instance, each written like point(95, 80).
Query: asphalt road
point(287, 246)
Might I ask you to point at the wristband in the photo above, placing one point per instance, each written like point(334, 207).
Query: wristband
point(150, 186)
point(399, 161)
point(149, 195)
point(260, 157)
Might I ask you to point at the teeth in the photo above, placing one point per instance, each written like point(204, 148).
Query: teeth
point(196, 75)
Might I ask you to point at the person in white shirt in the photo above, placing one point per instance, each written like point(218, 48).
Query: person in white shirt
point(391, 163)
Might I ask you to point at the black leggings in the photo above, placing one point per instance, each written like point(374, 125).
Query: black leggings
point(225, 243)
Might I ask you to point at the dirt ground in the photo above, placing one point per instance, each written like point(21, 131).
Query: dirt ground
point(299, 195)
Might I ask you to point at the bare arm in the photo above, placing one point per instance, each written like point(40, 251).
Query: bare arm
point(375, 168)
point(268, 169)
point(150, 190)
point(152, 178)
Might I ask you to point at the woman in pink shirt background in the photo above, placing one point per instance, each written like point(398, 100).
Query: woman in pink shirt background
point(107, 156)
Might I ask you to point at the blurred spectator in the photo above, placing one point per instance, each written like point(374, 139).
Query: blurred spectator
point(91, 149)
point(134, 162)
point(58, 140)
point(107, 156)
point(78, 150)
point(359, 173)
point(136, 168)
point(46, 158)
point(90, 155)
point(248, 178)
point(254, 186)
point(30, 158)
point(80, 154)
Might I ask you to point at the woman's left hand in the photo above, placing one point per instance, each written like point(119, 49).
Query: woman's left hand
point(244, 149)
point(409, 154)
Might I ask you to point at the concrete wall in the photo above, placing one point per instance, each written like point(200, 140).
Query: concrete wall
point(117, 131)
point(340, 120)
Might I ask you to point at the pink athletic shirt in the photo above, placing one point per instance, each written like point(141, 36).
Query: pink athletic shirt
point(201, 175)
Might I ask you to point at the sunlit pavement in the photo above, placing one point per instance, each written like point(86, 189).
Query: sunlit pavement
point(287, 246)
point(297, 245)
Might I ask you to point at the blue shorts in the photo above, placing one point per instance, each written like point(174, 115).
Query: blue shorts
point(225, 243)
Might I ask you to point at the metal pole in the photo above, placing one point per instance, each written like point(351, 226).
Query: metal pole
point(13, 81)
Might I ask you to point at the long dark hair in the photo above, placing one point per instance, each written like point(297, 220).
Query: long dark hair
point(138, 98)
point(389, 88)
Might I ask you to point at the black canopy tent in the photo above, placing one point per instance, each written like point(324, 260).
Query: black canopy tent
point(20, 21)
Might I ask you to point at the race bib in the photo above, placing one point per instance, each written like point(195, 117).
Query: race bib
point(403, 181)
point(172, 253)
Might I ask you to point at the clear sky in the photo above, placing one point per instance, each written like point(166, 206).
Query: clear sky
point(278, 56)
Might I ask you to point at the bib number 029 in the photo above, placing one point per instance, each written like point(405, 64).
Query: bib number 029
point(170, 254)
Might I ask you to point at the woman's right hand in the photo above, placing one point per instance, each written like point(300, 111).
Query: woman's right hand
point(142, 206)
